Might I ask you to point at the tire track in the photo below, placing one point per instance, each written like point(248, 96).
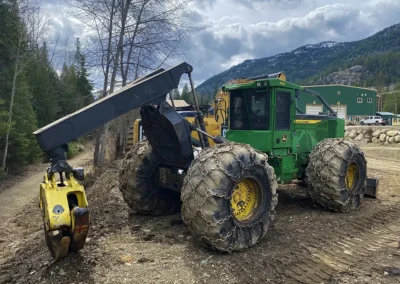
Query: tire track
point(320, 263)
point(389, 165)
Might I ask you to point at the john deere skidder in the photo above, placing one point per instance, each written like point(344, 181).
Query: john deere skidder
point(227, 193)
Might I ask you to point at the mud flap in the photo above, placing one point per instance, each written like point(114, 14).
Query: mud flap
point(372, 188)
point(80, 227)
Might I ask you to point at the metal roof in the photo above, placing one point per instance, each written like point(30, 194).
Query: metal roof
point(262, 83)
point(340, 85)
point(384, 113)
point(178, 103)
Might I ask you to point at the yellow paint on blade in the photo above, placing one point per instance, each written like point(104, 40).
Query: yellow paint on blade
point(307, 121)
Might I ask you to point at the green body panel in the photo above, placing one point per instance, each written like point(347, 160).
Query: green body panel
point(309, 135)
point(288, 145)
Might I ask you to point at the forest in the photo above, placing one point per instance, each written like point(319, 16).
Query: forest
point(33, 93)
point(123, 40)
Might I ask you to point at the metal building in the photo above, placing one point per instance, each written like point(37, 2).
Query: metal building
point(351, 103)
point(388, 117)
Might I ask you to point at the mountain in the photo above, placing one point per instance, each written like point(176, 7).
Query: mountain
point(354, 76)
point(379, 54)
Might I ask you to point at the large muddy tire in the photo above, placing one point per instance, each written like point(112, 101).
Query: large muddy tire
point(138, 185)
point(229, 196)
point(337, 173)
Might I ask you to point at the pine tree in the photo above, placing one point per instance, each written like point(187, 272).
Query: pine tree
point(17, 146)
point(71, 100)
point(3, 119)
point(187, 94)
point(83, 85)
point(23, 147)
point(44, 85)
point(175, 94)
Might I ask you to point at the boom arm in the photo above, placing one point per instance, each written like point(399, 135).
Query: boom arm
point(151, 89)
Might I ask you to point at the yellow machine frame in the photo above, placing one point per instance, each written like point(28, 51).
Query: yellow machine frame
point(66, 228)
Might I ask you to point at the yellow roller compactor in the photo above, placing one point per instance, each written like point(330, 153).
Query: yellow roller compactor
point(224, 187)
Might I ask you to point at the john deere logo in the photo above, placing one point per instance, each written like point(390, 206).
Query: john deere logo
point(284, 138)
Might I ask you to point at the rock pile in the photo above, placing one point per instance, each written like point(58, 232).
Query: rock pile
point(377, 136)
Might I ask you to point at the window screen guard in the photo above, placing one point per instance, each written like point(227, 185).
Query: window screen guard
point(283, 104)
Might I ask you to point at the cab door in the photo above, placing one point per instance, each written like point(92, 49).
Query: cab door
point(283, 118)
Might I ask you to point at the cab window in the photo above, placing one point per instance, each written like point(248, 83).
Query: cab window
point(249, 110)
point(259, 103)
point(238, 114)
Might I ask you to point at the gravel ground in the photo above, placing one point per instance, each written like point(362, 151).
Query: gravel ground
point(304, 245)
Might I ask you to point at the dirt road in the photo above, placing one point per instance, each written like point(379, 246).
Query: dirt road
point(305, 244)
point(13, 199)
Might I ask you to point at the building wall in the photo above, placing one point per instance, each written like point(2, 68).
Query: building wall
point(359, 102)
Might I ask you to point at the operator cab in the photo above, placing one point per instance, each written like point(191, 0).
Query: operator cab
point(261, 114)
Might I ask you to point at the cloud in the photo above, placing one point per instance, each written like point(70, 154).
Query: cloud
point(235, 30)
point(231, 40)
point(276, 3)
point(383, 12)
point(205, 3)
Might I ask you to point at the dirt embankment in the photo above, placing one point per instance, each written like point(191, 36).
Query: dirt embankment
point(304, 245)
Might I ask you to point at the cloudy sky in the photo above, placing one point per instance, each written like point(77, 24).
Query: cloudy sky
point(236, 30)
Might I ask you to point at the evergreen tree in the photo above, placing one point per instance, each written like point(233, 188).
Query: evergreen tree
point(44, 85)
point(23, 147)
point(32, 94)
point(175, 94)
point(187, 94)
point(17, 146)
point(75, 85)
point(71, 99)
point(3, 120)
point(391, 102)
point(84, 86)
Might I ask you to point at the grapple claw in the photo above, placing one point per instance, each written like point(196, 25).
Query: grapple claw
point(65, 215)
point(57, 243)
point(79, 228)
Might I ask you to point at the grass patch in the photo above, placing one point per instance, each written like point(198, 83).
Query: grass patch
point(75, 148)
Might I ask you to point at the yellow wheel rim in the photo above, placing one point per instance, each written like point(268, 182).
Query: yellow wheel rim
point(245, 199)
point(351, 175)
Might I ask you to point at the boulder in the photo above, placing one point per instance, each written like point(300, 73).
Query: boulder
point(376, 133)
point(384, 130)
point(382, 137)
point(80, 148)
point(391, 140)
point(397, 138)
point(346, 134)
point(367, 140)
point(392, 133)
point(359, 131)
point(353, 134)
point(387, 138)
point(386, 143)
point(359, 137)
point(375, 140)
